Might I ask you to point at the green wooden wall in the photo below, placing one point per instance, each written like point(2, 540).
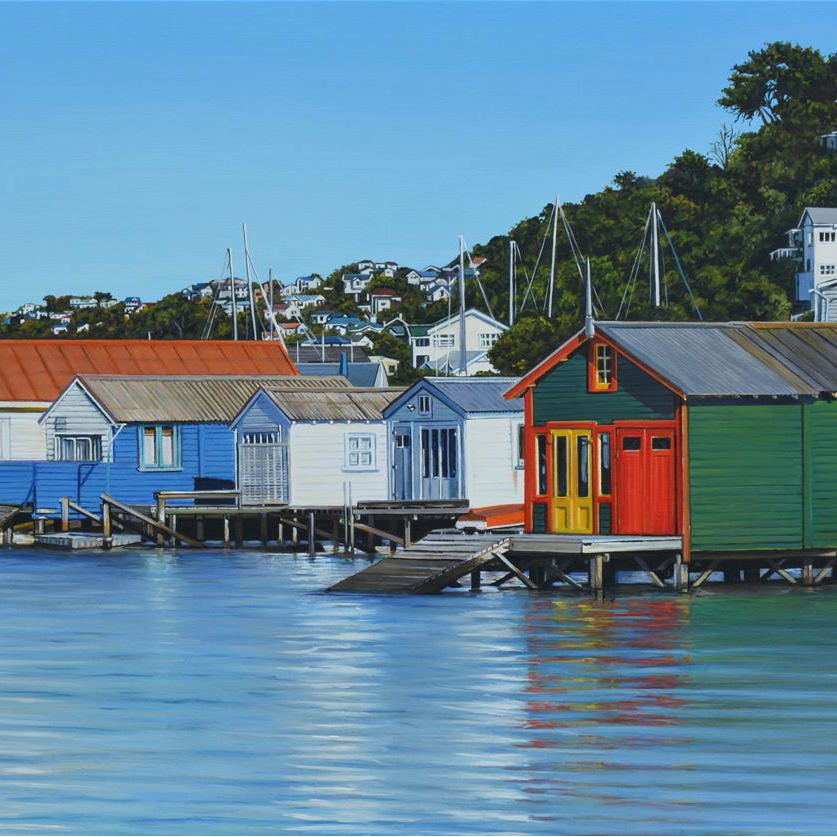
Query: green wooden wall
point(820, 428)
point(745, 476)
point(561, 395)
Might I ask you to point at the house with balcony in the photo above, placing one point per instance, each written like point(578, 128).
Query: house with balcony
point(813, 244)
point(437, 347)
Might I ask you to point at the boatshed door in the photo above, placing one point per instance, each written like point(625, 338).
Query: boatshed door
point(263, 468)
point(572, 500)
point(439, 463)
point(645, 481)
point(402, 463)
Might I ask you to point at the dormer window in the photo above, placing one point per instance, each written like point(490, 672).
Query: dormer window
point(601, 368)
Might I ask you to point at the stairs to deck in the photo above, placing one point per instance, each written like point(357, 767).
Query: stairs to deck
point(428, 566)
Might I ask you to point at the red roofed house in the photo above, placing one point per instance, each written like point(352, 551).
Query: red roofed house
point(34, 372)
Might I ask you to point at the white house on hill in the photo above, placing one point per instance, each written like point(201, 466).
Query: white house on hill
point(437, 346)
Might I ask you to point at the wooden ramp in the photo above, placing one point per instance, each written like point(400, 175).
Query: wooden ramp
point(429, 565)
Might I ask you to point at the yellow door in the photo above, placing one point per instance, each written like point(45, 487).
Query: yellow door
point(572, 469)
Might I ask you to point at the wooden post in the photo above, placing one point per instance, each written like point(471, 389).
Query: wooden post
point(239, 531)
point(294, 534)
point(408, 542)
point(263, 527)
point(107, 537)
point(335, 531)
point(346, 526)
point(312, 537)
point(752, 572)
point(732, 573)
point(161, 518)
point(681, 574)
point(226, 531)
point(370, 538)
point(199, 529)
point(351, 530)
point(175, 541)
point(65, 514)
point(475, 580)
point(40, 525)
point(808, 573)
point(280, 533)
point(9, 538)
point(596, 574)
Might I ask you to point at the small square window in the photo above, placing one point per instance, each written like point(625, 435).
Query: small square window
point(360, 451)
point(424, 405)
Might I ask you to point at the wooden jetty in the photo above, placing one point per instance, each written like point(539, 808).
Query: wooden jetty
point(435, 562)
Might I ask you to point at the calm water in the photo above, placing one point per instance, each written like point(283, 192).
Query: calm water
point(151, 693)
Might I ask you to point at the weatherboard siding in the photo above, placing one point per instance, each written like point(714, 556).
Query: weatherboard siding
point(745, 476)
point(21, 436)
point(316, 464)
point(491, 475)
point(821, 473)
point(562, 395)
point(77, 415)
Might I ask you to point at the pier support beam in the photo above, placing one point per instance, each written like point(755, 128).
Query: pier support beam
point(596, 574)
point(199, 529)
point(226, 532)
point(475, 580)
point(681, 574)
point(808, 574)
point(312, 536)
point(263, 529)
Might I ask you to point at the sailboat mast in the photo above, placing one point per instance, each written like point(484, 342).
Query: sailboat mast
point(655, 244)
point(270, 294)
point(554, 243)
point(249, 283)
point(511, 283)
point(463, 354)
point(232, 295)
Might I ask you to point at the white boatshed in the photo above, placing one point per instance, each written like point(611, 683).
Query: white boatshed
point(313, 449)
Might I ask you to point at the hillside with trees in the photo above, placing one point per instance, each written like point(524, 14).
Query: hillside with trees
point(725, 209)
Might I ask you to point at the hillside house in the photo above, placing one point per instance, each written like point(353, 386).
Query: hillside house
point(436, 346)
point(382, 299)
point(354, 284)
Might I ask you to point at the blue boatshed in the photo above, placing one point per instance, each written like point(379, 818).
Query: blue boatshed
point(130, 436)
point(457, 438)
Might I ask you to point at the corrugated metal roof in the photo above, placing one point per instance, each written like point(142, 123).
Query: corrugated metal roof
point(308, 353)
point(188, 398)
point(734, 359)
point(37, 370)
point(359, 374)
point(822, 214)
point(334, 404)
point(479, 394)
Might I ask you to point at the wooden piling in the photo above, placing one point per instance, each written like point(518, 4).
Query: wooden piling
point(681, 574)
point(65, 514)
point(312, 536)
point(808, 574)
point(161, 518)
point(199, 529)
point(239, 531)
point(475, 580)
point(263, 528)
point(226, 532)
point(596, 574)
point(107, 537)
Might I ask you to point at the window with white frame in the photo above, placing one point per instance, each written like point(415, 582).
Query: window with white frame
point(826, 270)
point(521, 446)
point(160, 447)
point(424, 405)
point(444, 341)
point(79, 448)
point(359, 451)
point(488, 339)
point(421, 341)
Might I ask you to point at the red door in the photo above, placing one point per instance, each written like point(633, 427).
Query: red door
point(645, 481)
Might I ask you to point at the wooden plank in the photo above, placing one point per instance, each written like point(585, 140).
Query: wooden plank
point(160, 527)
point(705, 574)
point(515, 571)
point(379, 532)
point(777, 567)
point(822, 573)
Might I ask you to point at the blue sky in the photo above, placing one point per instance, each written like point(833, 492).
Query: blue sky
point(137, 137)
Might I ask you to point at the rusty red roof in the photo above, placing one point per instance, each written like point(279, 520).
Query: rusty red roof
point(37, 370)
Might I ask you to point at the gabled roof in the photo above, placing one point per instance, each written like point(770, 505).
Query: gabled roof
point(471, 312)
point(471, 395)
point(333, 404)
point(719, 359)
point(820, 214)
point(450, 361)
point(37, 370)
point(183, 398)
point(363, 374)
point(317, 353)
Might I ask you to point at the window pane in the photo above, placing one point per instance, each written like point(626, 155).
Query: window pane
point(68, 450)
point(149, 446)
point(521, 443)
point(604, 463)
point(83, 450)
point(541, 464)
point(444, 451)
point(631, 442)
point(435, 451)
point(560, 466)
point(425, 453)
point(660, 443)
point(583, 449)
point(166, 446)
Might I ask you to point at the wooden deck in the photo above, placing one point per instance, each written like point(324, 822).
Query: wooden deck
point(428, 566)
point(594, 544)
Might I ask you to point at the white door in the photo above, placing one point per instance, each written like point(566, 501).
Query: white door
point(263, 468)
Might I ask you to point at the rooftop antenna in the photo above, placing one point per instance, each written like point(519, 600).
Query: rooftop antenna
point(552, 266)
point(589, 323)
point(232, 295)
point(463, 354)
